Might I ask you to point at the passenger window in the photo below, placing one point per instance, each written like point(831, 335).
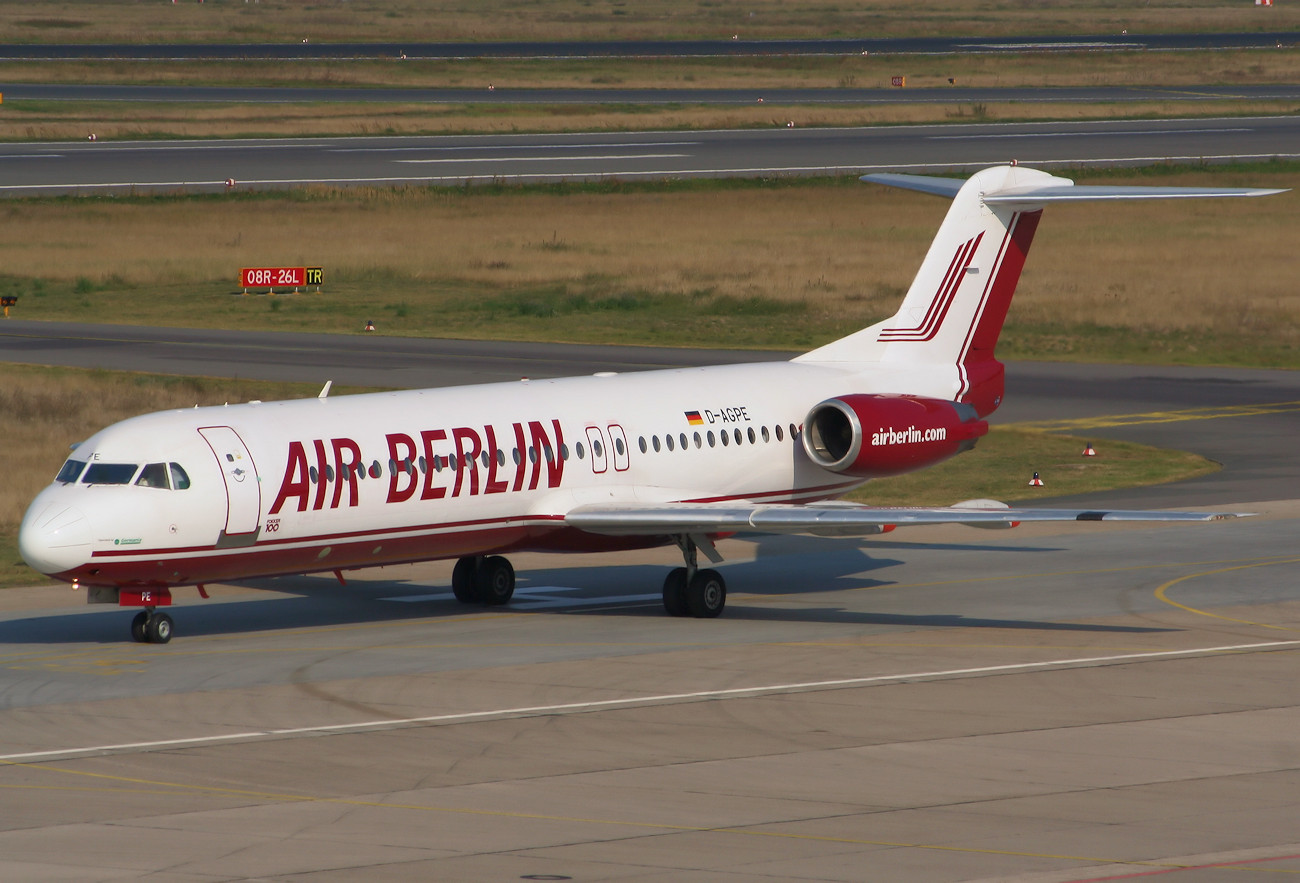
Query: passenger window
point(618, 446)
point(778, 433)
point(712, 442)
point(766, 437)
point(738, 439)
point(153, 475)
point(180, 481)
point(697, 441)
point(641, 444)
point(578, 448)
point(668, 440)
point(71, 471)
point(109, 473)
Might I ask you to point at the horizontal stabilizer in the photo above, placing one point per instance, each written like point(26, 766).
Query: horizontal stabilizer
point(1059, 190)
point(835, 519)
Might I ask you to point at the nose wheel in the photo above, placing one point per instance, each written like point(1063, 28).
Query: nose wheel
point(151, 627)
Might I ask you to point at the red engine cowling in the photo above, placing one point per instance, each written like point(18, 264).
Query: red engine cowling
point(872, 436)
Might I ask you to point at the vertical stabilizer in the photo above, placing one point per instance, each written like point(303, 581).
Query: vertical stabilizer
point(944, 334)
point(956, 305)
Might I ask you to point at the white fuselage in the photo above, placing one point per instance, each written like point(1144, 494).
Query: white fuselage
point(357, 481)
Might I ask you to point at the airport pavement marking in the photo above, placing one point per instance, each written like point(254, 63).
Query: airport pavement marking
point(1139, 419)
point(633, 702)
point(1162, 590)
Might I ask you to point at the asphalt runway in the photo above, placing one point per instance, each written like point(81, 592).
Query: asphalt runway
point(206, 166)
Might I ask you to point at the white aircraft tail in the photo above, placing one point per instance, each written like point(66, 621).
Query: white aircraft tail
point(947, 327)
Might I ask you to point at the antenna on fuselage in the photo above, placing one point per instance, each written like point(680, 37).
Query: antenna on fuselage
point(325, 390)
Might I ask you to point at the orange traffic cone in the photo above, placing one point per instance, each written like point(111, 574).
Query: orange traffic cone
point(1035, 481)
point(1088, 450)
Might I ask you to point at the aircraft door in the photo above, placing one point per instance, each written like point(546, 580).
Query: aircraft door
point(599, 456)
point(618, 439)
point(243, 489)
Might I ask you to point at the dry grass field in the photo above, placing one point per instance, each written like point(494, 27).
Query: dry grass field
point(784, 264)
point(475, 20)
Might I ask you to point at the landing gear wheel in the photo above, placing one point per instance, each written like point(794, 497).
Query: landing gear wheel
point(159, 628)
point(496, 581)
point(462, 580)
point(675, 592)
point(706, 594)
point(139, 627)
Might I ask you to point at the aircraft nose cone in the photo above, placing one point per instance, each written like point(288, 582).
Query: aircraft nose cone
point(54, 538)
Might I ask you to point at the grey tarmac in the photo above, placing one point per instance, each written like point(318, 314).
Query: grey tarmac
point(1052, 703)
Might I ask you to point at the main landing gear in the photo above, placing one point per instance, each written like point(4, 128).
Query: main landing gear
point(487, 580)
point(151, 627)
point(689, 591)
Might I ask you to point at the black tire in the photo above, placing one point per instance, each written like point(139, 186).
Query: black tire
point(707, 594)
point(463, 583)
point(140, 627)
point(160, 628)
point(675, 592)
point(496, 581)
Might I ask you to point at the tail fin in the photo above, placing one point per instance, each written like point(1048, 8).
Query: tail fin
point(948, 324)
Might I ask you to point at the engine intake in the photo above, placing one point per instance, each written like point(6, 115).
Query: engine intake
point(872, 436)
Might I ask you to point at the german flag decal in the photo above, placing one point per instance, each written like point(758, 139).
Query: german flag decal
point(694, 418)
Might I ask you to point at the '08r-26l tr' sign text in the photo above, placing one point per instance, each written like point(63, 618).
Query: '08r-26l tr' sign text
point(280, 277)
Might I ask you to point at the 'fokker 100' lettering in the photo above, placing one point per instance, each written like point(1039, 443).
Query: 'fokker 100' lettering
point(468, 462)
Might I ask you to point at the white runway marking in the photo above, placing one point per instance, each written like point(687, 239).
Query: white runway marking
point(1080, 134)
point(623, 145)
point(632, 701)
point(465, 159)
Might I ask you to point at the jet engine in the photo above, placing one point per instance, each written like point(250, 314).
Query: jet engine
point(872, 436)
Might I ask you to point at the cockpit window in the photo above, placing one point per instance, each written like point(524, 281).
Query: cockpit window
point(153, 475)
point(109, 473)
point(71, 471)
point(180, 481)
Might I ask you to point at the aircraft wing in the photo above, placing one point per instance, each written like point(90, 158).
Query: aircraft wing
point(837, 519)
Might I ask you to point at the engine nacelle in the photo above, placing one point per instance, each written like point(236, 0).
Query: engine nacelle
point(872, 436)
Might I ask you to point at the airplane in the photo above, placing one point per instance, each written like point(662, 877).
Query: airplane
point(597, 463)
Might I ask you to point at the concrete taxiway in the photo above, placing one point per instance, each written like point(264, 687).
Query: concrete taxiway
point(1052, 703)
